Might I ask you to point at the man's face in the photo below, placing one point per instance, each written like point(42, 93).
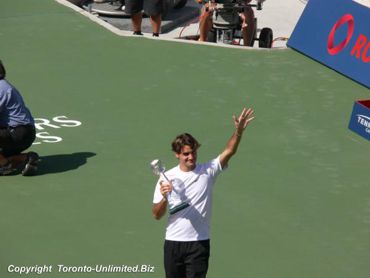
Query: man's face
point(187, 158)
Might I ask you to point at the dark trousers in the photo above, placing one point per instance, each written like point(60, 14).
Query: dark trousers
point(186, 259)
point(14, 140)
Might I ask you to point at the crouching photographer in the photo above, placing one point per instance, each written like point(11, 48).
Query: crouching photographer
point(17, 131)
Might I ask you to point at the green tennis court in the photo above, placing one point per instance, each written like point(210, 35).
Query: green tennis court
point(295, 201)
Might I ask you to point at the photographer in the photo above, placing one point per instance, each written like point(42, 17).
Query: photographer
point(246, 18)
point(17, 131)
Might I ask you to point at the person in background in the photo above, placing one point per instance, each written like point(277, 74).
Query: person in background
point(246, 18)
point(152, 8)
point(17, 131)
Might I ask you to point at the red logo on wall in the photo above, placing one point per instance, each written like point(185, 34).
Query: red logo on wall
point(361, 48)
point(347, 18)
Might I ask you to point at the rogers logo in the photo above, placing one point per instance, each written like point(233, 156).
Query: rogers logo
point(347, 18)
point(360, 49)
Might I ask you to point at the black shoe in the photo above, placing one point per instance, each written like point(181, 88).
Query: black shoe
point(138, 33)
point(30, 168)
point(7, 169)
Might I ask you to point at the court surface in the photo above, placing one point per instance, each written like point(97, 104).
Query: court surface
point(295, 201)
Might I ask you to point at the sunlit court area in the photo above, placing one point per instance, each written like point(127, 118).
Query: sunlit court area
point(294, 201)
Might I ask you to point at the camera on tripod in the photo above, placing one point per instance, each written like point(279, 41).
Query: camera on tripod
point(227, 24)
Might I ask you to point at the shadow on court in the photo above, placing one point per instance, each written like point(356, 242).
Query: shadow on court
point(62, 162)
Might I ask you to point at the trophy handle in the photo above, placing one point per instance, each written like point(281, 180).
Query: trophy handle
point(165, 177)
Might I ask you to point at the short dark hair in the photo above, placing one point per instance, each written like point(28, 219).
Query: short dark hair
point(2, 70)
point(182, 140)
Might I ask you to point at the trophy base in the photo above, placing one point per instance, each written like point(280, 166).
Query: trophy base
point(178, 208)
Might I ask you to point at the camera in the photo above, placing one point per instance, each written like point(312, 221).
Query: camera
point(227, 23)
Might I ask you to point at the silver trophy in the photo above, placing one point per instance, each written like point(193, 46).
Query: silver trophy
point(175, 197)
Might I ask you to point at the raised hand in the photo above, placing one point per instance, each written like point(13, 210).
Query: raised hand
point(245, 117)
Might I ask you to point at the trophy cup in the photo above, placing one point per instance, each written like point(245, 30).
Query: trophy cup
point(175, 201)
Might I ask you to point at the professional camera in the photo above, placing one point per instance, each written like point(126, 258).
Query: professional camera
point(227, 23)
point(226, 12)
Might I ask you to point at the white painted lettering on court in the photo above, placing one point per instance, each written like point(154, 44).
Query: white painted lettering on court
point(44, 128)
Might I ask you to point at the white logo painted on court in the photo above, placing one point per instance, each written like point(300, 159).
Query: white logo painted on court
point(43, 126)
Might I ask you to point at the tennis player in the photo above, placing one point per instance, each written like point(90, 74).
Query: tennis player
point(187, 244)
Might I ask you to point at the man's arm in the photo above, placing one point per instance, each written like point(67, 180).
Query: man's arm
point(159, 209)
point(245, 117)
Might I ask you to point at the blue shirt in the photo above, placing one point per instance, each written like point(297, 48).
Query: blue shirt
point(13, 112)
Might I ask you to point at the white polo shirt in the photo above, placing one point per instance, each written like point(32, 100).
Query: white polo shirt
point(193, 222)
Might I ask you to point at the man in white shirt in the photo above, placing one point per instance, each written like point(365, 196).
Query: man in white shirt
point(186, 248)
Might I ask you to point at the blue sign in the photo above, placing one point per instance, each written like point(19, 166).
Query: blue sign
point(337, 34)
point(360, 118)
